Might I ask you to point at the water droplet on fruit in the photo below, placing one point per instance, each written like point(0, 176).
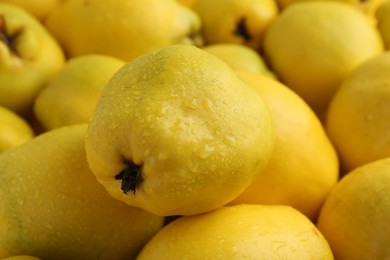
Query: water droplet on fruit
point(147, 152)
point(137, 94)
point(206, 151)
point(212, 167)
point(369, 117)
point(231, 140)
point(162, 156)
point(209, 106)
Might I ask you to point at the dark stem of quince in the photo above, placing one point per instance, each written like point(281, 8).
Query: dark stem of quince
point(131, 177)
point(9, 39)
point(241, 30)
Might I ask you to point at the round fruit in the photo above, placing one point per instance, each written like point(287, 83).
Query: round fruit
point(312, 46)
point(382, 14)
point(304, 166)
point(39, 9)
point(177, 133)
point(240, 232)
point(14, 129)
point(358, 120)
point(71, 96)
point(29, 58)
point(235, 21)
point(355, 216)
point(121, 28)
point(52, 206)
point(239, 57)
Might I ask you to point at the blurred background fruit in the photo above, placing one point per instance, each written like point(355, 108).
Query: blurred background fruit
point(304, 166)
point(29, 58)
point(235, 21)
point(52, 206)
point(313, 45)
point(71, 96)
point(187, 3)
point(367, 7)
point(39, 9)
point(14, 129)
point(383, 16)
point(21, 257)
point(358, 119)
point(240, 57)
point(123, 29)
point(355, 216)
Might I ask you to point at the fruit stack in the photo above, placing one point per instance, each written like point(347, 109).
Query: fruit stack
point(194, 129)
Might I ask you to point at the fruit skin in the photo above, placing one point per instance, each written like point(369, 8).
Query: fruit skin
point(123, 29)
point(14, 129)
point(239, 232)
point(38, 57)
point(187, 3)
point(358, 119)
point(21, 257)
point(198, 134)
point(52, 207)
point(355, 216)
point(71, 96)
point(239, 57)
point(367, 7)
point(313, 45)
point(39, 9)
point(304, 166)
point(382, 14)
point(236, 21)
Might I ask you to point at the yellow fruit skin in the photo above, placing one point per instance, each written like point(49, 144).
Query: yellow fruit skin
point(239, 232)
point(358, 120)
point(355, 216)
point(199, 134)
point(71, 96)
point(39, 9)
point(14, 129)
point(21, 257)
point(367, 7)
point(236, 21)
point(39, 57)
point(123, 29)
point(312, 46)
point(239, 57)
point(382, 14)
point(187, 3)
point(52, 207)
point(304, 166)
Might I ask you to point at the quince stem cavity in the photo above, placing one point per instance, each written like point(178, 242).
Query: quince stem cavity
point(9, 39)
point(131, 177)
point(241, 30)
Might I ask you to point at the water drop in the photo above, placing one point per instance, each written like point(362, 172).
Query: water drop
point(212, 167)
point(162, 156)
point(209, 106)
point(231, 140)
point(147, 152)
point(369, 117)
point(206, 151)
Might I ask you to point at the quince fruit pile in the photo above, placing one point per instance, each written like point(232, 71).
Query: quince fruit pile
point(194, 129)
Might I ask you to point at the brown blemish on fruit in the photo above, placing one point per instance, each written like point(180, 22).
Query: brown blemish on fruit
point(241, 30)
point(131, 177)
point(9, 39)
